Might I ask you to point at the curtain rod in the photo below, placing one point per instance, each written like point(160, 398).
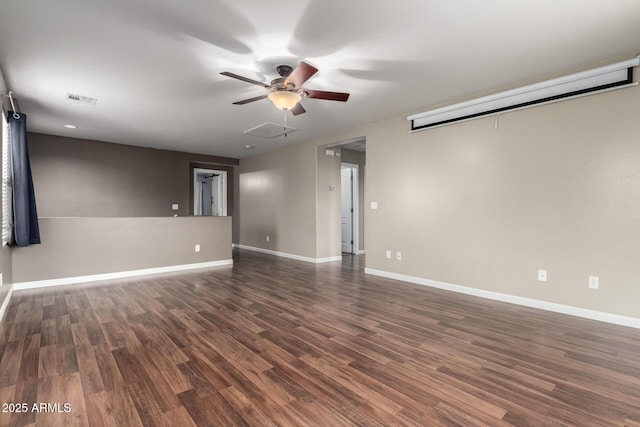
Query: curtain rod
point(16, 115)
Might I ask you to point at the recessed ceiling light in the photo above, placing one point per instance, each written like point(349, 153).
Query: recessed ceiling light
point(249, 147)
point(70, 126)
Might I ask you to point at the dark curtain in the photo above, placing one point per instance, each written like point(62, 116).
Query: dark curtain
point(25, 217)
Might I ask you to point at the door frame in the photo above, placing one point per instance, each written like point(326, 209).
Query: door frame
point(355, 185)
point(231, 175)
point(224, 184)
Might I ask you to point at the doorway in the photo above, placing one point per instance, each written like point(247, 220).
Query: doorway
point(349, 208)
point(209, 192)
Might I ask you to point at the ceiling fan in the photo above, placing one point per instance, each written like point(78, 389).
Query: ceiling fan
point(286, 91)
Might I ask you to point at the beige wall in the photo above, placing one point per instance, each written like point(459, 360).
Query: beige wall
point(85, 178)
point(555, 187)
point(277, 198)
point(328, 203)
point(73, 247)
point(286, 194)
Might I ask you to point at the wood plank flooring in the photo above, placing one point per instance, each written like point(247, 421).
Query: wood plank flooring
point(279, 342)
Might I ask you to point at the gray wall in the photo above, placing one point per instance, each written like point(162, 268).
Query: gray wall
point(85, 178)
point(73, 247)
point(100, 206)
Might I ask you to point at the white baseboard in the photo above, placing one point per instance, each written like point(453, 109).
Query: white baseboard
point(5, 303)
point(290, 256)
point(601, 316)
point(328, 259)
point(361, 252)
point(117, 275)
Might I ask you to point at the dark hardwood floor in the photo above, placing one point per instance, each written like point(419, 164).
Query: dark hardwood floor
point(278, 342)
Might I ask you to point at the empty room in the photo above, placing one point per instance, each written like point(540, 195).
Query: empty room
point(320, 213)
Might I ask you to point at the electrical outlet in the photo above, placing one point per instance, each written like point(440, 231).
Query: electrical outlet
point(268, 237)
point(542, 275)
point(388, 254)
point(174, 206)
point(398, 256)
point(197, 249)
point(594, 282)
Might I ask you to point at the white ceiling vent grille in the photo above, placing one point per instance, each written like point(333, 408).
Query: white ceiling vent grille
point(80, 98)
point(269, 130)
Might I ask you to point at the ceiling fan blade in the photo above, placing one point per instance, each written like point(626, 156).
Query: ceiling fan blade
point(298, 109)
point(301, 74)
point(244, 79)
point(332, 96)
point(246, 101)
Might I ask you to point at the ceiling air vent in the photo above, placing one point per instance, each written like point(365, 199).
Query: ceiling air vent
point(80, 98)
point(269, 130)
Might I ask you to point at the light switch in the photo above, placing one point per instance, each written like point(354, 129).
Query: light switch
point(374, 205)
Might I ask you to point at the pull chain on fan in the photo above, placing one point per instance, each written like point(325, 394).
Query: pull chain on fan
point(284, 110)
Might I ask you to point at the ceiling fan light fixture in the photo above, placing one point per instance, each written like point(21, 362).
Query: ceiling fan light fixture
point(284, 99)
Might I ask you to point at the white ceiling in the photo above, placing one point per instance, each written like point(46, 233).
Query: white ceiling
point(154, 65)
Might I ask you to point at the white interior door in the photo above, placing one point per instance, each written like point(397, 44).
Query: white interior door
point(219, 194)
point(346, 217)
point(215, 196)
point(221, 191)
point(197, 197)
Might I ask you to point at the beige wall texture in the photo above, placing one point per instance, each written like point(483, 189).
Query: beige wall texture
point(85, 178)
point(277, 198)
point(328, 205)
point(553, 187)
point(287, 195)
point(73, 247)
